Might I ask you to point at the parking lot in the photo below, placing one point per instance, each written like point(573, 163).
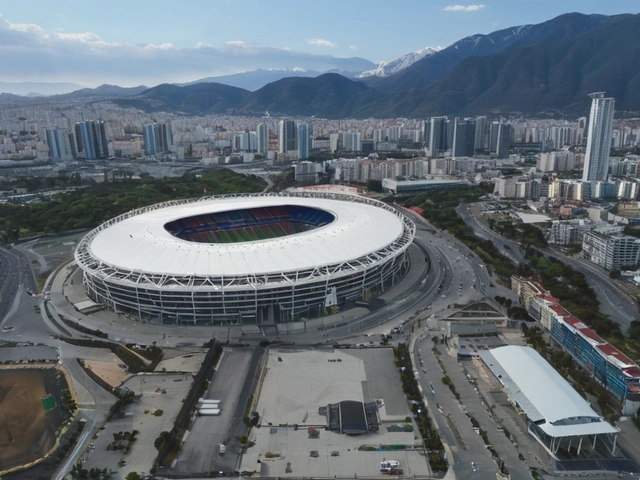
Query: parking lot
point(150, 414)
point(298, 383)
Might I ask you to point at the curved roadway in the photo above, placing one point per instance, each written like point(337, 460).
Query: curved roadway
point(613, 301)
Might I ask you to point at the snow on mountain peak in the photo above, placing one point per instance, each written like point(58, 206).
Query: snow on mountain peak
point(384, 69)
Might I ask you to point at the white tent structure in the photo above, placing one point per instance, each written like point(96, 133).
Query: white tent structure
point(557, 416)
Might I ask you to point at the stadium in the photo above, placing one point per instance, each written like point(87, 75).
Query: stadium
point(254, 258)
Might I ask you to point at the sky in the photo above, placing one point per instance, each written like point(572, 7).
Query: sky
point(150, 42)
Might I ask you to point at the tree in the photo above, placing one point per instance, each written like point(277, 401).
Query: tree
point(132, 476)
point(374, 185)
point(160, 441)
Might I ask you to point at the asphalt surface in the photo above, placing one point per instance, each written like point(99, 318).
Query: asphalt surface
point(15, 274)
point(200, 452)
point(467, 441)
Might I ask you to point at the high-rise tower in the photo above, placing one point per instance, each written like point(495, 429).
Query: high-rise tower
point(158, 138)
point(262, 132)
point(596, 160)
point(303, 141)
point(286, 136)
point(91, 139)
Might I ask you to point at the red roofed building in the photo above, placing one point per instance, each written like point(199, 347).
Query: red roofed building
point(614, 370)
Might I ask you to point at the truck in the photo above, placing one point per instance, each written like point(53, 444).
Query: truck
point(209, 411)
point(387, 464)
point(392, 471)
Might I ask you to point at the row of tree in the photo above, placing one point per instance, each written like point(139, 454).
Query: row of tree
point(89, 206)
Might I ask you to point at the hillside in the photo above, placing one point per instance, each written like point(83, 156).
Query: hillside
point(329, 96)
point(433, 67)
point(197, 99)
point(552, 79)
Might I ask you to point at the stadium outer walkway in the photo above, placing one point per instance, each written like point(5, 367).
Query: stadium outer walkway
point(66, 290)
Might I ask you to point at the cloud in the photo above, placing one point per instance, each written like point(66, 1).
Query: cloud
point(353, 47)
point(162, 46)
point(463, 8)
point(29, 53)
point(319, 42)
point(236, 43)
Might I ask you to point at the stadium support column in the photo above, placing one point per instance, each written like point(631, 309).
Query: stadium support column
point(613, 448)
point(580, 446)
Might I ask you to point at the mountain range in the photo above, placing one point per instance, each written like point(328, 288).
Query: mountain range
point(256, 79)
point(543, 69)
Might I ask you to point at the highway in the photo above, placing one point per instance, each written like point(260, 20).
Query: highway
point(613, 302)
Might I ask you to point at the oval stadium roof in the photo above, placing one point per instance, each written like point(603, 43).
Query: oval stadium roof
point(141, 243)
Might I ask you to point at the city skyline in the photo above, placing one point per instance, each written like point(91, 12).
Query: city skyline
point(92, 44)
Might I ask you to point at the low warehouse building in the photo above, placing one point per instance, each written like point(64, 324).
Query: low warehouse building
point(556, 415)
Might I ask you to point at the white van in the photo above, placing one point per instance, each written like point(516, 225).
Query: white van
point(223, 448)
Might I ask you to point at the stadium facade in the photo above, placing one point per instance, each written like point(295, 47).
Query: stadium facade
point(236, 259)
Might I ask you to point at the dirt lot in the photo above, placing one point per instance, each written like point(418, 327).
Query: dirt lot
point(26, 431)
point(109, 371)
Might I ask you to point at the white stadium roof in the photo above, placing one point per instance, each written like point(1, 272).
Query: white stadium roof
point(540, 391)
point(141, 243)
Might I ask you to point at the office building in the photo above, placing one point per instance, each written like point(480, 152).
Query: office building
point(334, 142)
point(308, 173)
point(157, 138)
point(437, 144)
point(62, 145)
point(262, 134)
point(286, 136)
point(596, 161)
point(480, 143)
point(557, 161)
point(246, 142)
point(464, 132)
point(611, 252)
point(303, 140)
point(412, 187)
point(500, 140)
point(91, 140)
point(352, 141)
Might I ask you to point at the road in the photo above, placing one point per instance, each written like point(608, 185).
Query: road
point(15, 274)
point(508, 248)
point(613, 302)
